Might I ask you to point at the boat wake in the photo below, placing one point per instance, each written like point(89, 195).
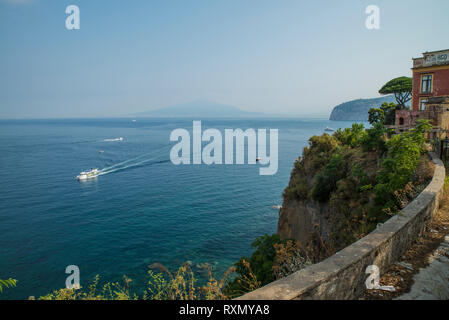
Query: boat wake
point(120, 167)
point(131, 163)
point(138, 161)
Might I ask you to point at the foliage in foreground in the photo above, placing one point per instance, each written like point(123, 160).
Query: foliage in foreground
point(7, 284)
point(256, 270)
point(271, 260)
point(181, 285)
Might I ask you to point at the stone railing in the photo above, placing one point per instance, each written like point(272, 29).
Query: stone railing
point(342, 276)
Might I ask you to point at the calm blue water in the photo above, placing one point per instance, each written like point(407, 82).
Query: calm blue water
point(128, 219)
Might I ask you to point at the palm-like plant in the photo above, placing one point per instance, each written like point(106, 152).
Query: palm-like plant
point(7, 283)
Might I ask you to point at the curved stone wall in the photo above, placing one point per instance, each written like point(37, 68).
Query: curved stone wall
point(342, 276)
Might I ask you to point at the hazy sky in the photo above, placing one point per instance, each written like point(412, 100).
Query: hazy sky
point(293, 57)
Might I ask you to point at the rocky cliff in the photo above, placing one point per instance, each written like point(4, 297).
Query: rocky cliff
point(357, 110)
point(311, 223)
point(337, 190)
point(316, 212)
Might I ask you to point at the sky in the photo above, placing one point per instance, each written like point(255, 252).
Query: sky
point(287, 57)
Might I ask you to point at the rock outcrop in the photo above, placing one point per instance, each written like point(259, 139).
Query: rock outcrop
point(310, 223)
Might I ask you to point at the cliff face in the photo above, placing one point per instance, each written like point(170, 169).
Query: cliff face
point(357, 110)
point(308, 222)
point(323, 207)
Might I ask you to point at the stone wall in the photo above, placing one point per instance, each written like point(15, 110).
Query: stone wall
point(342, 276)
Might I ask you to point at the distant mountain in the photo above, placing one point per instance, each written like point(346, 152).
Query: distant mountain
point(357, 110)
point(199, 109)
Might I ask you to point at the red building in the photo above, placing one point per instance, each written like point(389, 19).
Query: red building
point(430, 94)
point(430, 77)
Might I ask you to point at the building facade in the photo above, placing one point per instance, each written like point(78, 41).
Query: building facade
point(430, 78)
point(430, 95)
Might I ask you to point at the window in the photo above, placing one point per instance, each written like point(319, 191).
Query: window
point(423, 104)
point(401, 121)
point(426, 84)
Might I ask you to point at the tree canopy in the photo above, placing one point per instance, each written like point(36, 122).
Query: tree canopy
point(401, 88)
point(385, 115)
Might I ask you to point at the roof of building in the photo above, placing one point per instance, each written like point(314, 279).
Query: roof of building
point(431, 59)
point(429, 52)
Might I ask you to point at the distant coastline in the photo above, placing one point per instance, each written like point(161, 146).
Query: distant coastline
point(357, 110)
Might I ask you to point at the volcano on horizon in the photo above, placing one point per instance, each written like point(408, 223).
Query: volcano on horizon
point(200, 109)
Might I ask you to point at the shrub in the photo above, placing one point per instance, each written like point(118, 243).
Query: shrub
point(360, 175)
point(299, 190)
point(256, 270)
point(375, 139)
point(385, 115)
point(398, 168)
point(109, 291)
point(353, 136)
point(327, 179)
point(320, 150)
point(289, 258)
point(180, 285)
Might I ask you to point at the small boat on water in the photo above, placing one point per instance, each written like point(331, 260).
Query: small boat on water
point(86, 175)
point(115, 139)
point(329, 129)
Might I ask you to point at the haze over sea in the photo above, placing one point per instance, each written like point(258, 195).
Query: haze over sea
point(143, 211)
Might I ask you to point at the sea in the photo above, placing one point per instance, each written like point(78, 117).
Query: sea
point(141, 210)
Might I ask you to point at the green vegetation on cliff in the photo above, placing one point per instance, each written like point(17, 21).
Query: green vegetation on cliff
point(363, 175)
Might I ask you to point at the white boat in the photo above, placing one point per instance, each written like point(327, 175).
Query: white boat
point(86, 175)
point(115, 139)
point(329, 129)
